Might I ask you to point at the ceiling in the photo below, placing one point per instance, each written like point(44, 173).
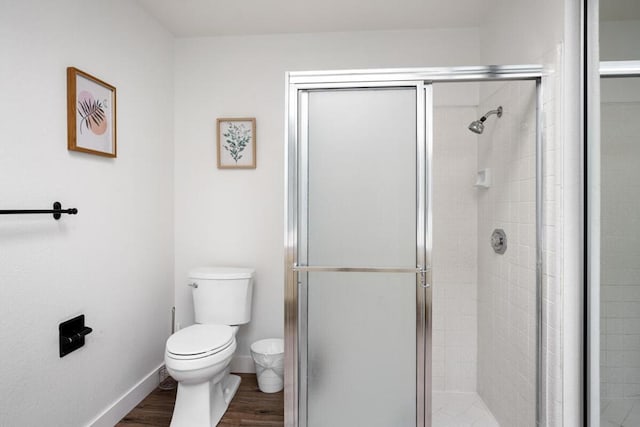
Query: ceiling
point(193, 18)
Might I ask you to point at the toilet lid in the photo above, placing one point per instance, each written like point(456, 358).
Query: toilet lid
point(221, 273)
point(200, 340)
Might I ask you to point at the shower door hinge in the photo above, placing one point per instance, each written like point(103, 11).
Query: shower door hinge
point(422, 271)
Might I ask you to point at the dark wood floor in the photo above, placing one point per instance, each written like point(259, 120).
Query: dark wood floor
point(250, 407)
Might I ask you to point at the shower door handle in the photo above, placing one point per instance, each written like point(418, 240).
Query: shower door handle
point(421, 270)
point(339, 269)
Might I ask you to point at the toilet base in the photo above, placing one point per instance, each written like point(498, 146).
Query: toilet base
point(230, 387)
point(204, 404)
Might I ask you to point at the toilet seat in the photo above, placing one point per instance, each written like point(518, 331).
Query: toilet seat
point(199, 341)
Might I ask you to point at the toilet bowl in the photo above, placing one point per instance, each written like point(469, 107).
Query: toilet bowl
point(198, 356)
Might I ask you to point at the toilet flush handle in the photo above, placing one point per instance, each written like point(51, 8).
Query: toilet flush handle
point(193, 285)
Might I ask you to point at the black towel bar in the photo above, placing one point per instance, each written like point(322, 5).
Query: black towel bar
point(57, 211)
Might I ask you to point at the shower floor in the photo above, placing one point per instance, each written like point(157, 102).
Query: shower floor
point(620, 413)
point(461, 410)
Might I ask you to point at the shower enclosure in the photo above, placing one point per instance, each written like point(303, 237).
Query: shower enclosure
point(615, 289)
point(398, 312)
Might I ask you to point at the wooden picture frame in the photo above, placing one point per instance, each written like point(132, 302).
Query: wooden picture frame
point(91, 114)
point(236, 143)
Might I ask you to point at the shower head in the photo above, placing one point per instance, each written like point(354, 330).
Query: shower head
point(477, 126)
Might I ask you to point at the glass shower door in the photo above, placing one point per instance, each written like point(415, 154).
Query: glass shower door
point(359, 243)
point(619, 251)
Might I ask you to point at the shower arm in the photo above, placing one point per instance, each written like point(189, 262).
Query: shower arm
point(497, 112)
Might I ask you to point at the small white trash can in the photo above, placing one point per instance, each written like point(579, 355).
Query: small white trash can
point(268, 356)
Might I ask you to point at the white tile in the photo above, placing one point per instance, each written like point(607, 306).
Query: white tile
point(461, 409)
point(633, 418)
point(616, 411)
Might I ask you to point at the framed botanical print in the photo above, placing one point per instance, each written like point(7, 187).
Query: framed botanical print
point(236, 143)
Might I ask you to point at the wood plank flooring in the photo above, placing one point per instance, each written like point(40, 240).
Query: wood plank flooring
point(249, 408)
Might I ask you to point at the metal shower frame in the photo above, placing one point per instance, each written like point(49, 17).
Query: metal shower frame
point(605, 70)
point(298, 85)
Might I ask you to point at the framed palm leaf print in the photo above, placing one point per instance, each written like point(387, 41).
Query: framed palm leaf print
point(91, 114)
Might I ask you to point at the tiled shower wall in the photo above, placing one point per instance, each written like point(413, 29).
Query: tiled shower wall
point(620, 239)
point(494, 353)
point(507, 283)
point(455, 237)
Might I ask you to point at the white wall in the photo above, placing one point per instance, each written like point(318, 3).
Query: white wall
point(114, 260)
point(236, 217)
point(520, 31)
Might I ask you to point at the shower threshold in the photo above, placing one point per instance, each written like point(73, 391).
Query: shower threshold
point(461, 409)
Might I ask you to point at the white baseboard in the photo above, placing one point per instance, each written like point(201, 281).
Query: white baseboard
point(243, 365)
point(128, 401)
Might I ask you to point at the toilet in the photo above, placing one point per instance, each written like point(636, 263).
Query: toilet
point(198, 356)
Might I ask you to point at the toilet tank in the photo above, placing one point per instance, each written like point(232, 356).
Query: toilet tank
point(222, 295)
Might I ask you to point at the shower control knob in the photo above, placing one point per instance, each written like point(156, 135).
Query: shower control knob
point(193, 285)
